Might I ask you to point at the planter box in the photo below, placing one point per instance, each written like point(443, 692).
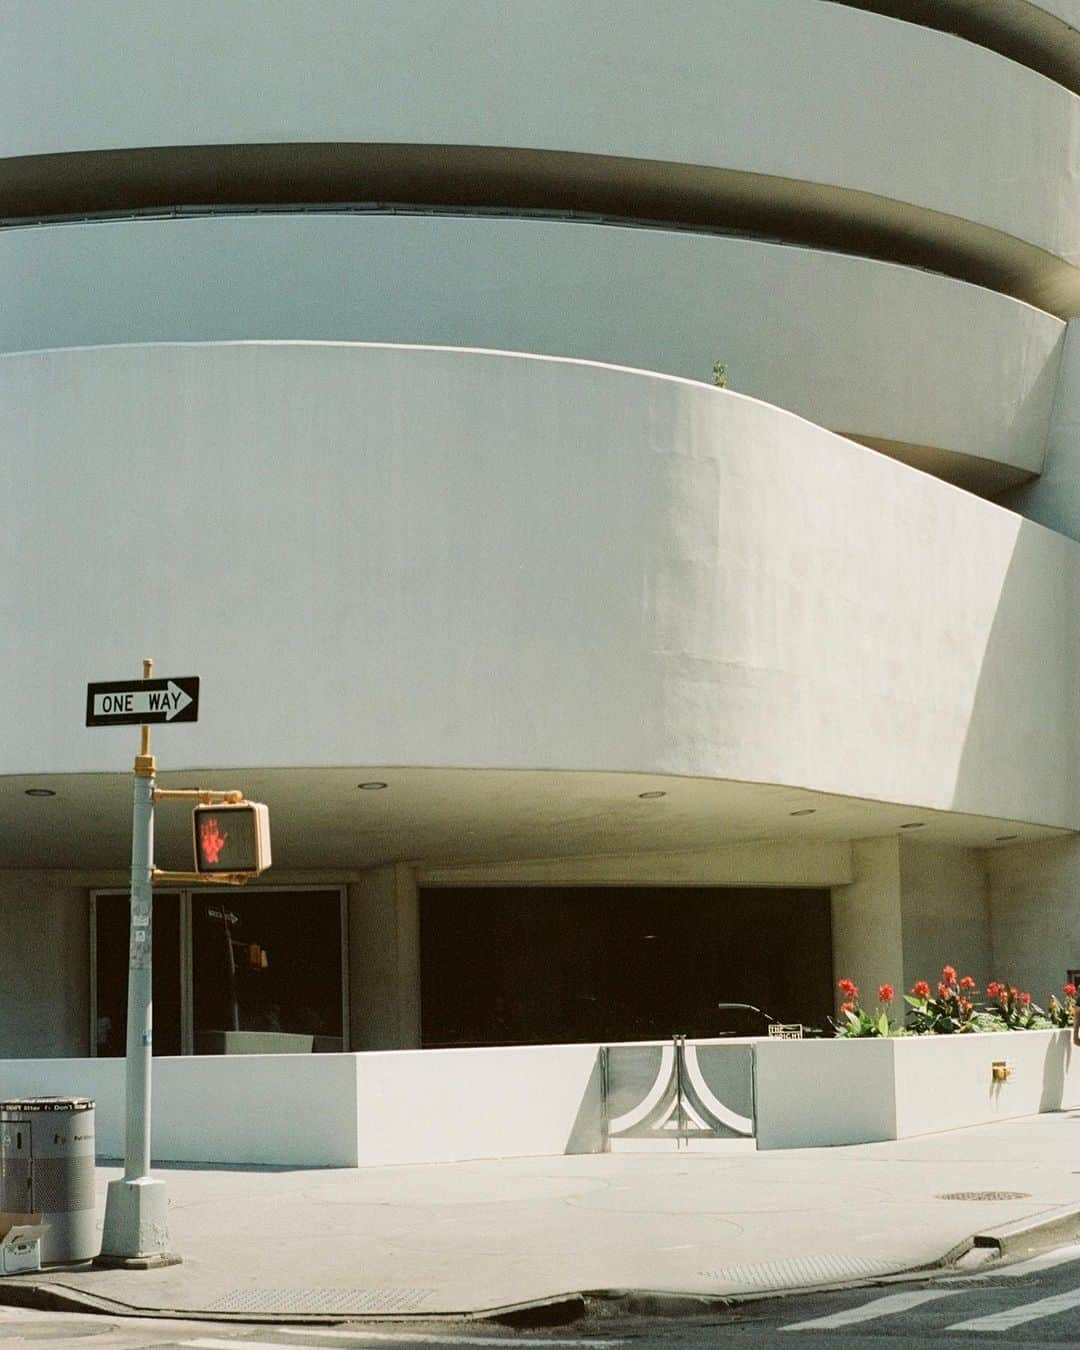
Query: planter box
point(816, 1093)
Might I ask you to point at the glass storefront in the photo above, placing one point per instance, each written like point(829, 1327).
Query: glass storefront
point(504, 966)
point(235, 971)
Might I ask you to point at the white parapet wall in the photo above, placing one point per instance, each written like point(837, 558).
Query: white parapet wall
point(383, 1108)
point(294, 1110)
point(813, 1094)
point(340, 1110)
point(451, 1105)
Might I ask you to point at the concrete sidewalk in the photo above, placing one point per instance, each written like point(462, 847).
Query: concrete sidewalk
point(475, 1237)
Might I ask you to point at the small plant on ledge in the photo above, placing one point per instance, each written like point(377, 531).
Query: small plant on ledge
point(719, 374)
point(1062, 1014)
point(856, 1021)
point(950, 1013)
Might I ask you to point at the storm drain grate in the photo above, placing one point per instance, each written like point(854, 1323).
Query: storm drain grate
point(984, 1195)
point(799, 1272)
point(296, 1301)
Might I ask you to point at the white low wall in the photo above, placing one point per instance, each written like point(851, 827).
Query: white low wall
point(337, 1110)
point(425, 1106)
point(451, 1105)
point(804, 1095)
point(262, 1109)
point(812, 1094)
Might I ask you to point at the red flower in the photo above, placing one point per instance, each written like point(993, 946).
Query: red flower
point(967, 982)
point(995, 990)
point(943, 991)
point(1012, 991)
point(920, 989)
point(848, 988)
point(1069, 990)
point(948, 975)
point(1025, 999)
point(886, 993)
point(965, 1006)
point(847, 1007)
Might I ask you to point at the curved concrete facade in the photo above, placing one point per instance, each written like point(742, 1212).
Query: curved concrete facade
point(792, 89)
point(1042, 35)
point(466, 559)
point(868, 349)
point(355, 356)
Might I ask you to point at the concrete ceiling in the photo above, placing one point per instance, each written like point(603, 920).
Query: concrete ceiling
point(322, 820)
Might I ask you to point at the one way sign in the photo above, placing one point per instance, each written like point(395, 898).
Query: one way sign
point(117, 703)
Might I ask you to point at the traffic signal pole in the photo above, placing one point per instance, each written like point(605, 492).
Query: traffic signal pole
point(140, 1031)
point(136, 1230)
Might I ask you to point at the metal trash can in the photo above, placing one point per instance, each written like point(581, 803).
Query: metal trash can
point(47, 1168)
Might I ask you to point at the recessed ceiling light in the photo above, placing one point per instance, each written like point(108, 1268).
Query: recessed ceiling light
point(806, 811)
point(913, 825)
point(370, 787)
point(1004, 838)
point(40, 792)
point(648, 796)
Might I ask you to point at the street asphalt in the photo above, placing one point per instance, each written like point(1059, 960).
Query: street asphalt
point(661, 1230)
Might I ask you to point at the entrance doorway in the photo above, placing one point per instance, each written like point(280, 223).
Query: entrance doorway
point(520, 966)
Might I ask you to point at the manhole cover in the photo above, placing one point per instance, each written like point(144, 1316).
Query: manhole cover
point(294, 1301)
point(985, 1195)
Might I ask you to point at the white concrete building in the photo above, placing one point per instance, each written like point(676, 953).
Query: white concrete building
point(355, 356)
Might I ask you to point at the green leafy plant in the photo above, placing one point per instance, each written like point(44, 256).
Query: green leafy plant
point(1013, 1008)
point(950, 1013)
point(719, 374)
point(1061, 1014)
point(856, 1021)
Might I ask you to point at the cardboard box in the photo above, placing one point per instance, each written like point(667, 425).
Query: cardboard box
point(20, 1242)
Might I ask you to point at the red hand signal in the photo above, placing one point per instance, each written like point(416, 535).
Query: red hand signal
point(211, 840)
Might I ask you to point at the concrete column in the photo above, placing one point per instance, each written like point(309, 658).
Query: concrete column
point(946, 912)
point(384, 960)
point(866, 921)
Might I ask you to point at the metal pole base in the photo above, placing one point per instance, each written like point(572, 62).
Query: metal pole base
point(136, 1233)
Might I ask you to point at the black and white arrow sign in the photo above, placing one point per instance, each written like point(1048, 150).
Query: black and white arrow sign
point(117, 703)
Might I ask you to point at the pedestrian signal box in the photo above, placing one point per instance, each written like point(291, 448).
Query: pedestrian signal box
point(232, 837)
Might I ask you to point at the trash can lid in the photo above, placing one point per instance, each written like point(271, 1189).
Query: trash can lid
point(24, 1104)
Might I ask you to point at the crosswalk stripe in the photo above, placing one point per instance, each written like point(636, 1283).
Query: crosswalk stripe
point(357, 1333)
point(212, 1343)
point(878, 1307)
point(1058, 1257)
point(1024, 1312)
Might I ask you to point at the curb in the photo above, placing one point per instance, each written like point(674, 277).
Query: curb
point(1019, 1238)
point(1026, 1235)
point(45, 1296)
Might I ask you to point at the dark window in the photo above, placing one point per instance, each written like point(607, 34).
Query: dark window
point(521, 966)
point(266, 965)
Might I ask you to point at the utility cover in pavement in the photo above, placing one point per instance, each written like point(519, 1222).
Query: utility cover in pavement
point(295, 1301)
point(799, 1272)
point(985, 1195)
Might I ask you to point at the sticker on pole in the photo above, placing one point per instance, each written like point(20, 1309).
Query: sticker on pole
point(121, 703)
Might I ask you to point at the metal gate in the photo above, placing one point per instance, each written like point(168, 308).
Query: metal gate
point(678, 1095)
